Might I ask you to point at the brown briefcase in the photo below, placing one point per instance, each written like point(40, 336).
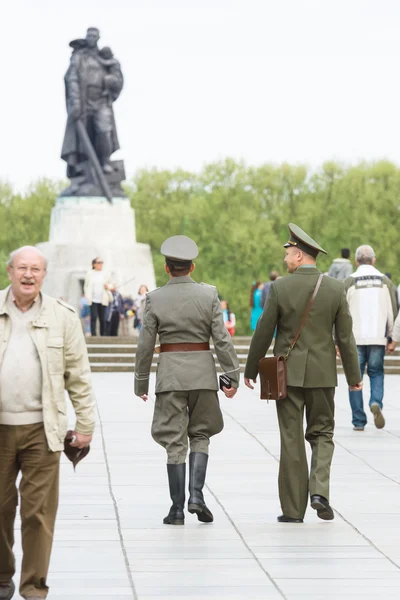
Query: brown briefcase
point(272, 370)
point(273, 378)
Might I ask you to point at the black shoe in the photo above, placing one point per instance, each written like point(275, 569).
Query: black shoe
point(7, 590)
point(283, 519)
point(323, 508)
point(197, 477)
point(176, 479)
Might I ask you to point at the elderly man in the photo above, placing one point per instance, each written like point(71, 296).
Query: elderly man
point(43, 351)
point(373, 307)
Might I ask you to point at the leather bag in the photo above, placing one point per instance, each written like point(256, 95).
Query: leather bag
point(272, 370)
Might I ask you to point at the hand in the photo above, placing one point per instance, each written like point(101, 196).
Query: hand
point(109, 81)
point(391, 347)
point(337, 351)
point(82, 441)
point(229, 392)
point(122, 317)
point(248, 381)
point(75, 112)
point(144, 397)
point(356, 388)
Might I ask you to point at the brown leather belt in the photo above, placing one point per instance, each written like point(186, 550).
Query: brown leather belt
point(185, 347)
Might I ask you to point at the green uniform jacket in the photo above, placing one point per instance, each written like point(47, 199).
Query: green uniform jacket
point(184, 311)
point(312, 363)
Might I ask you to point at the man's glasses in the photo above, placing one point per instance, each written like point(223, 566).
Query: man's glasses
point(23, 270)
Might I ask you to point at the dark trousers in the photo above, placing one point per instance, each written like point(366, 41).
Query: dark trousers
point(295, 481)
point(23, 448)
point(113, 324)
point(97, 311)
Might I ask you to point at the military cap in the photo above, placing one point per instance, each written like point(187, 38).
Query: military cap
point(180, 247)
point(302, 241)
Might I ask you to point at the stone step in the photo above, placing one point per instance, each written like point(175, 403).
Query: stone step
point(118, 354)
point(126, 339)
point(129, 348)
point(126, 367)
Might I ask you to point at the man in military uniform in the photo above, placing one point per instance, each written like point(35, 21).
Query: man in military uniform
point(185, 315)
point(311, 373)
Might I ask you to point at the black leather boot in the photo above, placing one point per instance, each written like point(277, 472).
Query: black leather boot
point(197, 477)
point(176, 478)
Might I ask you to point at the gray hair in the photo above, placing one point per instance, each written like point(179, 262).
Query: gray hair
point(365, 255)
point(14, 253)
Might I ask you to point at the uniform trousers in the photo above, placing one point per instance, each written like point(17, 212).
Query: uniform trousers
point(24, 448)
point(193, 414)
point(295, 483)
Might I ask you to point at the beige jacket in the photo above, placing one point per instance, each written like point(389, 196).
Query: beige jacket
point(88, 288)
point(184, 311)
point(58, 337)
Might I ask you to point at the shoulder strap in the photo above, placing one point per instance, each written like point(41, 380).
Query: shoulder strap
point(306, 313)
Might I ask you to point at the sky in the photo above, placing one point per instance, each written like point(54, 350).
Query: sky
point(302, 81)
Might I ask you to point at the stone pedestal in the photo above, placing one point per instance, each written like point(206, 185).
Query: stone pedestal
point(83, 228)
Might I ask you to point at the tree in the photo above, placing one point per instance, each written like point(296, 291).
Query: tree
point(238, 216)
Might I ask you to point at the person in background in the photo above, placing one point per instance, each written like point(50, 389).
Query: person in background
point(372, 304)
point(273, 276)
point(255, 303)
point(97, 295)
point(85, 314)
point(128, 306)
point(229, 318)
point(139, 306)
point(341, 268)
point(396, 290)
point(114, 311)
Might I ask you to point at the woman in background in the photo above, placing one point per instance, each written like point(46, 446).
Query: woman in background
point(229, 318)
point(97, 295)
point(139, 306)
point(255, 303)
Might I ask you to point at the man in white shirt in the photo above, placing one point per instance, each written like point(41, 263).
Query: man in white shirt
point(372, 304)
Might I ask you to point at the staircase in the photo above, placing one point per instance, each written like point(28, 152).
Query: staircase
point(117, 354)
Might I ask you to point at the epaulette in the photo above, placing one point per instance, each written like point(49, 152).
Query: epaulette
point(208, 285)
point(155, 290)
point(66, 305)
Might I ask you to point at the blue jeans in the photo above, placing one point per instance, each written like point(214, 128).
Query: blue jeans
point(371, 357)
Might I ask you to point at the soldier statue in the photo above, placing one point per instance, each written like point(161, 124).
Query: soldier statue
point(93, 82)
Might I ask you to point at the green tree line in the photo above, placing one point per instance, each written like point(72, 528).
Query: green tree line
point(238, 215)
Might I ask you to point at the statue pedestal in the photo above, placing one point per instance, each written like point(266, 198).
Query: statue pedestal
point(83, 228)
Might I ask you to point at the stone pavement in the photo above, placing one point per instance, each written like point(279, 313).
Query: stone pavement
point(110, 541)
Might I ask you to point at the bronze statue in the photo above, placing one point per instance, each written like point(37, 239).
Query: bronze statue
point(93, 82)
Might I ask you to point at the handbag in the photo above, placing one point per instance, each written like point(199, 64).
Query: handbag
point(272, 370)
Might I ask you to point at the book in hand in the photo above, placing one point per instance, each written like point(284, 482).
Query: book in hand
point(224, 381)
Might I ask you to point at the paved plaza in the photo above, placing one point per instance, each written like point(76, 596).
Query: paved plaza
point(110, 541)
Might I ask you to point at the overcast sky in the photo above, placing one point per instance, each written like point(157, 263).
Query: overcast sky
point(259, 80)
